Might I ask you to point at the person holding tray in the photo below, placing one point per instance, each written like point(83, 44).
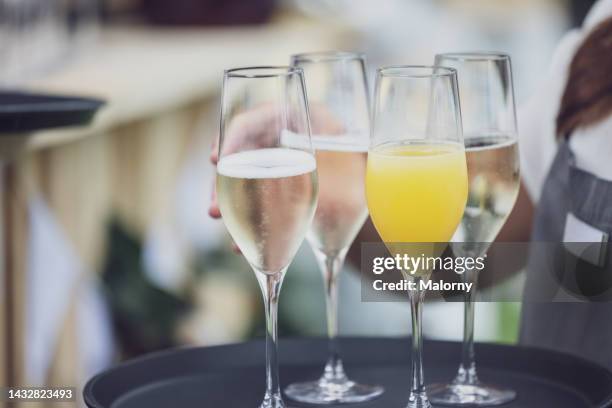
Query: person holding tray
point(565, 133)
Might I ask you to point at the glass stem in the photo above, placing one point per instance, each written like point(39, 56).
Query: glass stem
point(270, 286)
point(418, 395)
point(330, 265)
point(467, 369)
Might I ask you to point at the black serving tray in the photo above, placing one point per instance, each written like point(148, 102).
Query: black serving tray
point(233, 375)
point(27, 112)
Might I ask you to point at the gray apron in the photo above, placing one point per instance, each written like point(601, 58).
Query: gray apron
point(580, 328)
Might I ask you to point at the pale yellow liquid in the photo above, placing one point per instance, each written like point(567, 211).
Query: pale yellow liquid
point(416, 192)
point(493, 173)
point(341, 209)
point(267, 198)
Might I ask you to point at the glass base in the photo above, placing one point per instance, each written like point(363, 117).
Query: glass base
point(418, 400)
point(330, 392)
point(478, 395)
point(272, 401)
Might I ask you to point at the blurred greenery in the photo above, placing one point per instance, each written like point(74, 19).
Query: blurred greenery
point(509, 314)
point(301, 305)
point(144, 316)
point(147, 318)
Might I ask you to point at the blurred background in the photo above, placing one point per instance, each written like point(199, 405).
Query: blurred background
point(112, 253)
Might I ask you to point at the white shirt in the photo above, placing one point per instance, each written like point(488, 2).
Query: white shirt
point(592, 146)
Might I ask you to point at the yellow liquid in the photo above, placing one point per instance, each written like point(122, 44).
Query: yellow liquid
point(416, 192)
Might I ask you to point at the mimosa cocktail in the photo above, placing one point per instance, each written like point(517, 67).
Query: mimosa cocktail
point(417, 191)
point(416, 177)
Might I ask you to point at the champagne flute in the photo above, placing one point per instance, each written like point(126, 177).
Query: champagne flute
point(416, 175)
point(338, 100)
point(267, 188)
point(489, 127)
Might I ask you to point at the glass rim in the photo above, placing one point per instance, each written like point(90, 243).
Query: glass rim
point(327, 56)
point(263, 71)
point(474, 56)
point(406, 71)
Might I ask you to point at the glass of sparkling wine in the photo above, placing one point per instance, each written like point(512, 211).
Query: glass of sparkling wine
point(338, 99)
point(416, 175)
point(267, 187)
point(489, 127)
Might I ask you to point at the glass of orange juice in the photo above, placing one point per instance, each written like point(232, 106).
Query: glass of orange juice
point(416, 177)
